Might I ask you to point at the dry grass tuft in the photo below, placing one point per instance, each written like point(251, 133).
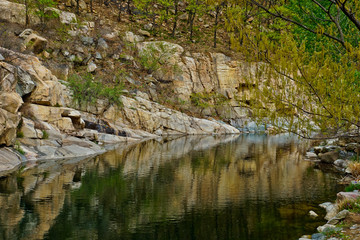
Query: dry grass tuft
point(355, 169)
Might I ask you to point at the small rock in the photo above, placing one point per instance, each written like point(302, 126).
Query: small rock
point(91, 67)
point(73, 33)
point(313, 214)
point(132, 38)
point(130, 80)
point(206, 26)
point(46, 54)
point(311, 155)
point(98, 56)
point(183, 16)
point(127, 58)
point(148, 26)
point(26, 33)
point(325, 228)
point(87, 59)
point(341, 163)
point(352, 147)
point(65, 53)
point(102, 45)
point(318, 236)
point(87, 41)
point(342, 214)
point(91, 24)
point(72, 58)
point(2, 58)
point(79, 49)
point(115, 56)
point(354, 227)
point(144, 33)
point(111, 36)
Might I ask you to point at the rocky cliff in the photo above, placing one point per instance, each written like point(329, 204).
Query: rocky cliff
point(37, 118)
point(41, 120)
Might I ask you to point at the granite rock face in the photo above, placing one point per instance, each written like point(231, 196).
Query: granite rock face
point(49, 125)
point(188, 73)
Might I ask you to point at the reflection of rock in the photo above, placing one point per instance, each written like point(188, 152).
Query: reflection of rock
point(46, 187)
point(182, 174)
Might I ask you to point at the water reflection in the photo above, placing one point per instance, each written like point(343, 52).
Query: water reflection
point(205, 187)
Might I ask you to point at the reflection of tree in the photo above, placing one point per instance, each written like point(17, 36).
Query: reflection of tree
point(169, 190)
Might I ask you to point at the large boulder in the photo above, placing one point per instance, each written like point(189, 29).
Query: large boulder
point(10, 102)
point(342, 196)
point(35, 43)
point(64, 17)
point(8, 126)
point(155, 118)
point(8, 160)
point(25, 84)
point(48, 90)
point(15, 13)
point(329, 157)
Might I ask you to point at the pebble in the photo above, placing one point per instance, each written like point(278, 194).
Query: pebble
point(354, 227)
point(91, 67)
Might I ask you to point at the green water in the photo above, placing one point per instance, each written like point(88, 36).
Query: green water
point(234, 187)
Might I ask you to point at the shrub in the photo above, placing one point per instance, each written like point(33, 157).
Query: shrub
point(19, 134)
point(87, 90)
point(352, 187)
point(204, 100)
point(18, 148)
point(351, 205)
point(156, 57)
point(45, 134)
point(41, 12)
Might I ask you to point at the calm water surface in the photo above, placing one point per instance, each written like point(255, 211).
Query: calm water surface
point(235, 187)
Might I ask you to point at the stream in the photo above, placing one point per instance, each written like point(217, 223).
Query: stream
point(199, 187)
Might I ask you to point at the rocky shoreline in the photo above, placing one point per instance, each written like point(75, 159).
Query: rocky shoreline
point(342, 223)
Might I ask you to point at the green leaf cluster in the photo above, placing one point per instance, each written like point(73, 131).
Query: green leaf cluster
point(304, 58)
point(87, 90)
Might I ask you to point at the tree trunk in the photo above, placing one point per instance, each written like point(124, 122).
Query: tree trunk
point(77, 7)
point(119, 13)
point(27, 12)
point(128, 7)
point(217, 11)
point(176, 3)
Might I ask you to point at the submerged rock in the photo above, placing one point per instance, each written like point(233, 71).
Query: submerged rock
point(313, 214)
